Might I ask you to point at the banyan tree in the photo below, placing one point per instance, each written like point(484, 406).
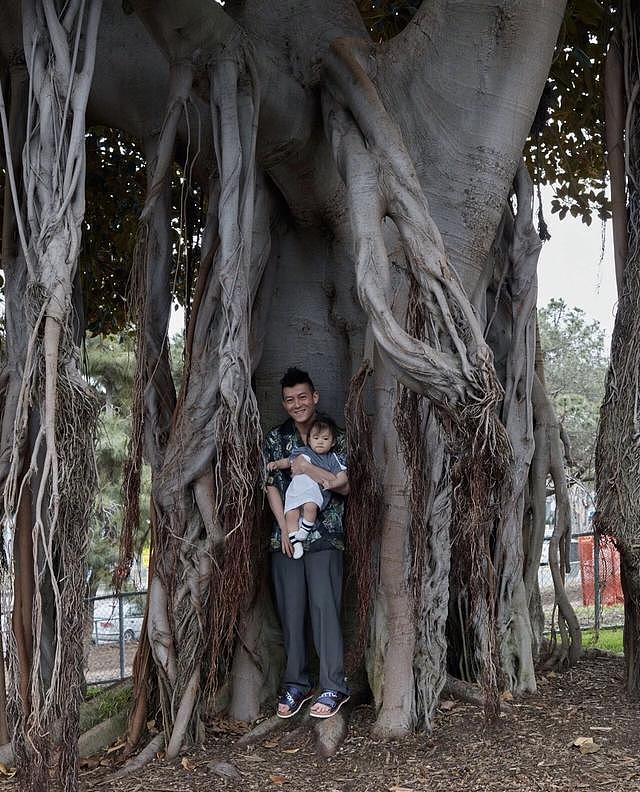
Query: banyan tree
point(358, 207)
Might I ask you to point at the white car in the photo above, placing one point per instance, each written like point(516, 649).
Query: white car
point(106, 620)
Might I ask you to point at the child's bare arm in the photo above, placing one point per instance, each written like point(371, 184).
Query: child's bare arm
point(335, 481)
point(279, 464)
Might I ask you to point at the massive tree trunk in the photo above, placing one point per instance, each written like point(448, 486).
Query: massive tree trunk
point(617, 449)
point(353, 194)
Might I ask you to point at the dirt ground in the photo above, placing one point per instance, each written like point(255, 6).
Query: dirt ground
point(530, 748)
point(103, 661)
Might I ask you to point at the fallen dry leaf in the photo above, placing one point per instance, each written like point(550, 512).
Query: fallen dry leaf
point(400, 789)
point(447, 704)
point(586, 745)
point(290, 750)
point(187, 764)
point(507, 696)
point(271, 744)
point(226, 726)
point(277, 778)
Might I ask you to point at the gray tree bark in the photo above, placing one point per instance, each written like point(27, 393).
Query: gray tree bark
point(383, 169)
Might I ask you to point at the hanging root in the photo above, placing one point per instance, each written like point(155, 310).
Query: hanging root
point(510, 296)
point(61, 470)
point(429, 503)
point(206, 466)
point(409, 422)
point(235, 101)
point(480, 481)
point(132, 468)
point(549, 460)
point(153, 398)
point(363, 523)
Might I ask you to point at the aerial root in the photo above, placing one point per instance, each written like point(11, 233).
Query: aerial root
point(362, 524)
point(137, 762)
point(442, 353)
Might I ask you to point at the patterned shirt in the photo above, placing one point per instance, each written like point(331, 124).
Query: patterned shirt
point(328, 530)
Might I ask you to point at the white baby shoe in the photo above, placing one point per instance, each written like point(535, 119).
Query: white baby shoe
point(298, 537)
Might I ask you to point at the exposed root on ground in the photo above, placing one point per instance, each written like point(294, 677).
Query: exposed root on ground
point(146, 755)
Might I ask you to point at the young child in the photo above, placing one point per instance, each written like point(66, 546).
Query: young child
point(304, 497)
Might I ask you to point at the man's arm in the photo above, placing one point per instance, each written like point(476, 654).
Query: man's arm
point(275, 504)
point(319, 475)
point(279, 464)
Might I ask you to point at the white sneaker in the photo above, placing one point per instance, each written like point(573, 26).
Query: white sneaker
point(298, 549)
point(298, 537)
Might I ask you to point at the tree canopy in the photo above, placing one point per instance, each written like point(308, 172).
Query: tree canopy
point(575, 360)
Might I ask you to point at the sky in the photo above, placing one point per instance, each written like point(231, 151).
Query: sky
point(570, 267)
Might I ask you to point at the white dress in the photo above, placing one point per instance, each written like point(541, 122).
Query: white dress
point(303, 489)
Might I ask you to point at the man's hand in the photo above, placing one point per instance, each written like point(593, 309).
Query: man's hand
point(278, 464)
point(326, 483)
point(285, 542)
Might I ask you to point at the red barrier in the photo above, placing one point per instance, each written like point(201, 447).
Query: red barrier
point(610, 585)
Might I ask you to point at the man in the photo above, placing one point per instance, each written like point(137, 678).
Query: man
point(316, 578)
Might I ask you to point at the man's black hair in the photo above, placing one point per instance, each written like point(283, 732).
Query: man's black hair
point(324, 422)
point(295, 376)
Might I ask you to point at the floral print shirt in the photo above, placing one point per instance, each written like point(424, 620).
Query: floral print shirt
point(328, 532)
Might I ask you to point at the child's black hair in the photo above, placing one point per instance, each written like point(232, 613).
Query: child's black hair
point(324, 422)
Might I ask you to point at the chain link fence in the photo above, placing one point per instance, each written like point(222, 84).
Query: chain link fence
point(114, 625)
point(592, 582)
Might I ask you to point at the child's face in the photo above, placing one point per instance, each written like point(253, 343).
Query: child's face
point(321, 440)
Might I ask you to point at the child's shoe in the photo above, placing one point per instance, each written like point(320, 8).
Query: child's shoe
point(300, 536)
point(298, 549)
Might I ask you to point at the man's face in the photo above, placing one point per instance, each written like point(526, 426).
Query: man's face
point(299, 402)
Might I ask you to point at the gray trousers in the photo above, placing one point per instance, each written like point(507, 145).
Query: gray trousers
point(316, 579)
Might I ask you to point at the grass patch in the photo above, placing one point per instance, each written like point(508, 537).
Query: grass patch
point(102, 704)
point(609, 639)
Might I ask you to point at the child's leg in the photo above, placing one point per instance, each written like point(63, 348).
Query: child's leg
point(291, 519)
point(305, 526)
point(309, 513)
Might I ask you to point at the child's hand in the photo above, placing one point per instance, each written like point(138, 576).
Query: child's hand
point(325, 484)
point(271, 466)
